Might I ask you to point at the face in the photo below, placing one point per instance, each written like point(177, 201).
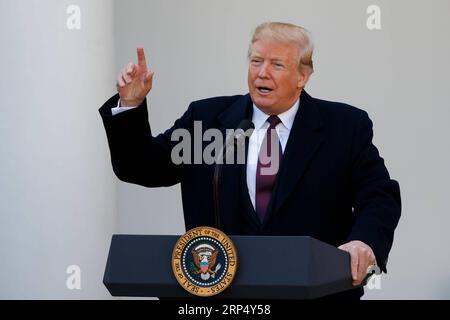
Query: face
point(274, 81)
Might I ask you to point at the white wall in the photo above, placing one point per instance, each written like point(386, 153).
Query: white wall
point(57, 190)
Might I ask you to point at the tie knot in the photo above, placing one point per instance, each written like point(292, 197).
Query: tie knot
point(273, 121)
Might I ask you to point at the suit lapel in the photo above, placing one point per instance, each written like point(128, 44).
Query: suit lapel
point(304, 140)
point(231, 179)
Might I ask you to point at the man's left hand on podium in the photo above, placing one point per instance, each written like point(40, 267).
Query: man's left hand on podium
point(362, 258)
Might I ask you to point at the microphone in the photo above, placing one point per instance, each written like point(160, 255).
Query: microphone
point(237, 140)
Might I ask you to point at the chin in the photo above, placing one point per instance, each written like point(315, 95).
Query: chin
point(263, 104)
point(266, 109)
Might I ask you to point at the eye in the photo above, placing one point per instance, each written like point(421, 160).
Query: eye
point(278, 65)
point(255, 61)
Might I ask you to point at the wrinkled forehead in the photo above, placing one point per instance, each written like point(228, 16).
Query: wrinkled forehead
point(273, 49)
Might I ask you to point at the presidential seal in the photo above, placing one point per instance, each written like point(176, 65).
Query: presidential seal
point(204, 261)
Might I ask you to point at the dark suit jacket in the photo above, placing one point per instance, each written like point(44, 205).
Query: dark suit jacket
point(332, 183)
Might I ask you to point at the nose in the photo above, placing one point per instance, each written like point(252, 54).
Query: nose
point(263, 71)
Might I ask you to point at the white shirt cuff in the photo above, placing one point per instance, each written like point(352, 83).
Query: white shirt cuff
point(120, 109)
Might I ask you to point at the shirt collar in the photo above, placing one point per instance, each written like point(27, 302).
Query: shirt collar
point(287, 117)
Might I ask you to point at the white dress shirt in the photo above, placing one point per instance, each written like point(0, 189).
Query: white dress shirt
point(283, 129)
point(259, 119)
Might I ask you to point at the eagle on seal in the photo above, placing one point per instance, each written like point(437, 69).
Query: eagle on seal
point(205, 259)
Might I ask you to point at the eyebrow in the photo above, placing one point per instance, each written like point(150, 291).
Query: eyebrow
point(256, 56)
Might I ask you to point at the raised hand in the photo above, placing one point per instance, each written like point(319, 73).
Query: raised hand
point(134, 82)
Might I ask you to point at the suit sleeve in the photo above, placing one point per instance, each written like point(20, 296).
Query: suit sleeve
point(376, 197)
point(136, 156)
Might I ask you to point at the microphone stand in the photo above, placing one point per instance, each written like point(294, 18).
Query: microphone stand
point(231, 140)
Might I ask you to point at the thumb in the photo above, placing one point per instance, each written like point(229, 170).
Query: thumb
point(148, 80)
point(353, 260)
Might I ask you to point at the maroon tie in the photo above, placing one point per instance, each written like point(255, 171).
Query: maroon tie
point(267, 168)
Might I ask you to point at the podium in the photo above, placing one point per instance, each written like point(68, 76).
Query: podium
point(269, 267)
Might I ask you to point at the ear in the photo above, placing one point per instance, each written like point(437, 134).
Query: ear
point(302, 79)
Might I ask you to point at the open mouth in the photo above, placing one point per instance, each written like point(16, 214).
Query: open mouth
point(264, 90)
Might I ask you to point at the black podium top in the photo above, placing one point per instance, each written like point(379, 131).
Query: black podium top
point(270, 267)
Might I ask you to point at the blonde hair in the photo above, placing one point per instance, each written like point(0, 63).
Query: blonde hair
point(291, 34)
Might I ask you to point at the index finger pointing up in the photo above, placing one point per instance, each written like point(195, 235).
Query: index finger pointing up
point(141, 57)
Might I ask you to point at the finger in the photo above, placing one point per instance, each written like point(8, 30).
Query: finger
point(366, 260)
point(372, 258)
point(354, 265)
point(131, 67)
point(141, 58)
point(362, 268)
point(126, 77)
point(148, 81)
point(353, 261)
point(149, 76)
point(120, 81)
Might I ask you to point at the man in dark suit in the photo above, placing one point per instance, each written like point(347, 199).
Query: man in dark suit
point(331, 182)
